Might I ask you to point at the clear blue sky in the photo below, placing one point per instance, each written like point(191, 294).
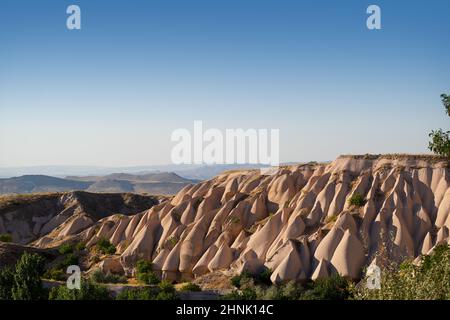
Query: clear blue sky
point(112, 92)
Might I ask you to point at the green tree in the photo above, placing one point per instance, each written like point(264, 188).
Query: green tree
point(144, 272)
point(6, 283)
point(446, 102)
point(27, 278)
point(440, 139)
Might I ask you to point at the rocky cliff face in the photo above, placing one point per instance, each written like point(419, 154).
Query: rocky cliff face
point(297, 222)
point(57, 216)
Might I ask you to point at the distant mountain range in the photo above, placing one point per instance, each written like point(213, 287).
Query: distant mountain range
point(194, 171)
point(166, 183)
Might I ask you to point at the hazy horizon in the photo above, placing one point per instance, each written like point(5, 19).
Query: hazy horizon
point(111, 93)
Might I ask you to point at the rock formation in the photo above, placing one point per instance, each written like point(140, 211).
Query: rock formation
point(298, 222)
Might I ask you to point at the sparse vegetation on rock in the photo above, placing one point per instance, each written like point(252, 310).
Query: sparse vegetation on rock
point(104, 246)
point(66, 248)
point(356, 200)
point(5, 237)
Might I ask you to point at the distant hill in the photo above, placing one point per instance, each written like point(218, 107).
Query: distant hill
point(89, 173)
point(39, 183)
point(152, 183)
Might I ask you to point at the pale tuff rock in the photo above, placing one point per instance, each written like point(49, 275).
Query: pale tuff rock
point(202, 265)
point(328, 245)
point(321, 271)
point(422, 225)
point(143, 244)
point(172, 263)
point(111, 265)
point(290, 267)
point(427, 244)
point(444, 209)
point(222, 259)
point(442, 235)
point(282, 189)
point(262, 239)
point(297, 222)
point(76, 225)
point(348, 258)
point(404, 245)
point(346, 222)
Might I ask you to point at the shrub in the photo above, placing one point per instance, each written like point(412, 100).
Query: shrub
point(55, 274)
point(27, 278)
point(332, 218)
point(291, 291)
point(88, 291)
point(80, 246)
point(236, 280)
point(190, 287)
point(144, 273)
point(138, 294)
point(429, 280)
point(99, 277)
point(69, 260)
point(244, 294)
point(6, 283)
point(5, 237)
point(357, 200)
point(66, 248)
point(173, 241)
point(105, 247)
point(262, 278)
point(165, 291)
point(332, 288)
point(259, 287)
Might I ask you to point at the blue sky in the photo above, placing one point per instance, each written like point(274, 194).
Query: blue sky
point(111, 93)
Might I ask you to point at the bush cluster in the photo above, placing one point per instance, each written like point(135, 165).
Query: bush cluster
point(88, 291)
point(145, 274)
point(190, 287)
point(253, 287)
point(105, 247)
point(99, 276)
point(357, 200)
point(164, 291)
